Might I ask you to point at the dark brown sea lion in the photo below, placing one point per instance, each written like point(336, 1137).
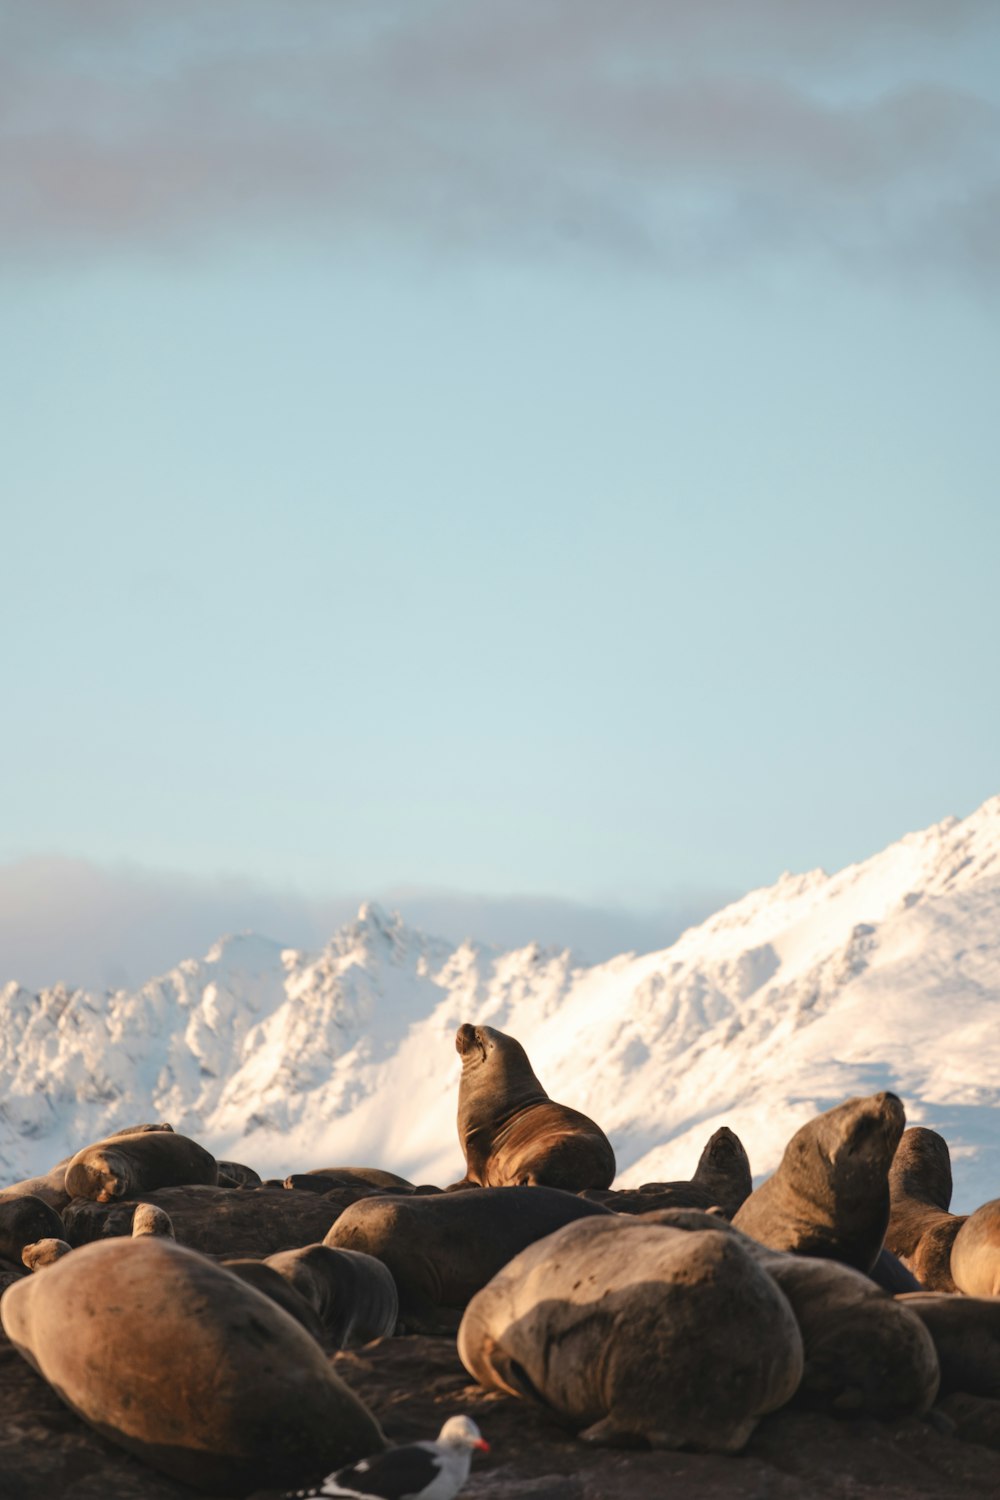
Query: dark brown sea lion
point(375, 1177)
point(237, 1175)
point(22, 1222)
point(631, 1333)
point(44, 1253)
point(125, 1165)
point(830, 1194)
point(722, 1180)
point(442, 1249)
point(264, 1278)
point(975, 1254)
point(352, 1294)
point(865, 1355)
point(512, 1133)
point(966, 1334)
point(921, 1229)
point(218, 1221)
point(175, 1359)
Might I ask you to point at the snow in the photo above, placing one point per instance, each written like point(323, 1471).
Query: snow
point(885, 975)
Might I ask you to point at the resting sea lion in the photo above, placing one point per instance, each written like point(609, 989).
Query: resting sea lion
point(44, 1253)
point(237, 1175)
point(721, 1180)
point(865, 1354)
point(921, 1230)
point(442, 1249)
point(215, 1220)
point(123, 1166)
point(113, 1328)
point(975, 1253)
point(352, 1294)
point(264, 1278)
point(511, 1132)
point(966, 1334)
point(375, 1177)
point(51, 1185)
point(22, 1222)
point(633, 1332)
point(830, 1194)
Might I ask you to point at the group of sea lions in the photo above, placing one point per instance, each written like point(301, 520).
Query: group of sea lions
point(675, 1314)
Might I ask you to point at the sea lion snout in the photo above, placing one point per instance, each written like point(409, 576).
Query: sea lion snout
point(472, 1039)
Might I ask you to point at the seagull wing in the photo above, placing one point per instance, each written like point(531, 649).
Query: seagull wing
point(395, 1475)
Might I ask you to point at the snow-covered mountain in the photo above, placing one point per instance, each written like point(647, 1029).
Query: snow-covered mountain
point(886, 975)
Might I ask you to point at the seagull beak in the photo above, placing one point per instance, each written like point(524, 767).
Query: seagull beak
point(482, 1445)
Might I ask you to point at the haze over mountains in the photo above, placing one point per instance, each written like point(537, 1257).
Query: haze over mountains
point(886, 975)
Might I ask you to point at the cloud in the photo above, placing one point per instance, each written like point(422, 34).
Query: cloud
point(671, 134)
point(72, 921)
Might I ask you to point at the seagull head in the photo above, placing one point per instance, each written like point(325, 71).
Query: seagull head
point(461, 1432)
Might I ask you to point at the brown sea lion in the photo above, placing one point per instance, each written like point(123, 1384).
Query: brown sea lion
point(218, 1221)
point(631, 1333)
point(374, 1177)
point(722, 1180)
point(966, 1334)
point(123, 1166)
point(178, 1361)
point(51, 1186)
point(265, 1279)
point(830, 1194)
point(352, 1294)
point(442, 1249)
point(512, 1133)
point(22, 1222)
point(865, 1355)
point(237, 1175)
point(44, 1253)
point(150, 1219)
point(975, 1253)
point(921, 1230)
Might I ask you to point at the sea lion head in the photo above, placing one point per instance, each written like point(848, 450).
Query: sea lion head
point(103, 1176)
point(921, 1168)
point(150, 1219)
point(44, 1253)
point(856, 1140)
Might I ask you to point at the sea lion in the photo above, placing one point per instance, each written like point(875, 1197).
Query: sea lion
point(966, 1334)
point(265, 1279)
point(631, 1332)
point(830, 1194)
point(975, 1253)
point(237, 1175)
point(51, 1186)
point(218, 1221)
point(921, 1230)
point(178, 1361)
point(865, 1354)
point(22, 1222)
point(442, 1249)
point(721, 1180)
point(374, 1177)
point(150, 1219)
point(123, 1166)
point(352, 1294)
point(511, 1132)
point(44, 1253)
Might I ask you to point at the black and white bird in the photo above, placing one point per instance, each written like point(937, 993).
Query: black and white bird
point(418, 1471)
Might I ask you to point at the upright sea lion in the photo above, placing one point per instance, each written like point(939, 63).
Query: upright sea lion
point(511, 1132)
point(830, 1194)
point(172, 1357)
point(125, 1165)
point(975, 1253)
point(352, 1294)
point(632, 1332)
point(442, 1249)
point(921, 1230)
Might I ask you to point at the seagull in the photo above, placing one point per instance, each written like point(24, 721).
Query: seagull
point(418, 1471)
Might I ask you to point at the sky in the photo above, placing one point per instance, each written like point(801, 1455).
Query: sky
point(532, 464)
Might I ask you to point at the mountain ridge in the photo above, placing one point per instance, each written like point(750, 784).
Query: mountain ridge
point(883, 975)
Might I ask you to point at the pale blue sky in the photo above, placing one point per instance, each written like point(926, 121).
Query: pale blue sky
point(500, 450)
